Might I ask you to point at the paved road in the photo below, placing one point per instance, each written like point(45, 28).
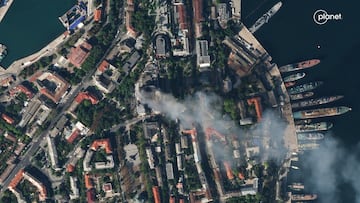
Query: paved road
point(34, 145)
point(130, 122)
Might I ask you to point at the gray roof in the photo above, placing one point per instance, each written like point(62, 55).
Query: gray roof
point(160, 46)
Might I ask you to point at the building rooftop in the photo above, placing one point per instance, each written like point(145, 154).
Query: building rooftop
point(130, 63)
point(70, 168)
point(156, 193)
point(7, 118)
point(52, 86)
point(74, 188)
point(90, 195)
point(107, 187)
point(23, 89)
point(203, 58)
point(198, 8)
point(128, 15)
point(103, 66)
point(105, 143)
point(88, 182)
point(73, 136)
point(160, 44)
point(87, 96)
point(97, 15)
point(78, 54)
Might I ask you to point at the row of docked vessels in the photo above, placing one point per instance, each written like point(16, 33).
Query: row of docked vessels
point(299, 187)
point(308, 133)
point(305, 91)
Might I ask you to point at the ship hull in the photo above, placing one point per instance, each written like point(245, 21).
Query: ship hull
point(305, 87)
point(315, 102)
point(310, 136)
point(265, 18)
point(319, 113)
point(301, 95)
point(322, 126)
point(299, 66)
point(294, 77)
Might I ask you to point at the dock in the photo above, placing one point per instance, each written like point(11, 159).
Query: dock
point(290, 138)
point(4, 9)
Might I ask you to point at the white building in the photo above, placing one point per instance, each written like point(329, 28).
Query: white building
point(52, 153)
point(203, 58)
point(74, 189)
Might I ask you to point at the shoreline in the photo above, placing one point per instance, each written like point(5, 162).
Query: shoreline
point(4, 9)
point(18, 65)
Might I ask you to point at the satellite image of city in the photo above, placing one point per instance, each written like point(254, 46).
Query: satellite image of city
point(179, 101)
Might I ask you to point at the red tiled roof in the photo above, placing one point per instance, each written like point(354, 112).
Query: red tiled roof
point(182, 16)
point(90, 196)
point(70, 168)
point(78, 55)
point(56, 96)
point(23, 89)
point(10, 137)
point(88, 183)
point(7, 118)
point(172, 199)
point(16, 180)
point(97, 15)
point(155, 190)
point(197, 5)
point(103, 66)
point(86, 95)
point(73, 136)
point(102, 143)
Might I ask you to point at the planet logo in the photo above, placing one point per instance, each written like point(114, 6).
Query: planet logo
point(321, 17)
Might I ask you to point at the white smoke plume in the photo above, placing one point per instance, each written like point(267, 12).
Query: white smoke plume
point(206, 109)
point(331, 167)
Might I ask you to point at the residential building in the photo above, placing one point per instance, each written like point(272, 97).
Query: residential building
point(78, 54)
point(130, 63)
point(52, 86)
point(169, 171)
point(53, 153)
point(203, 58)
point(74, 188)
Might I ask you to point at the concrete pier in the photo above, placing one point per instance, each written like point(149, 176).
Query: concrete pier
point(290, 138)
point(4, 9)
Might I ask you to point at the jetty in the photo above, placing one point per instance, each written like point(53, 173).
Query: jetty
point(5, 8)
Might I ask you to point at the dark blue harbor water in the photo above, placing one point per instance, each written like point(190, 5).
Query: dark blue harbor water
point(30, 25)
point(290, 36)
